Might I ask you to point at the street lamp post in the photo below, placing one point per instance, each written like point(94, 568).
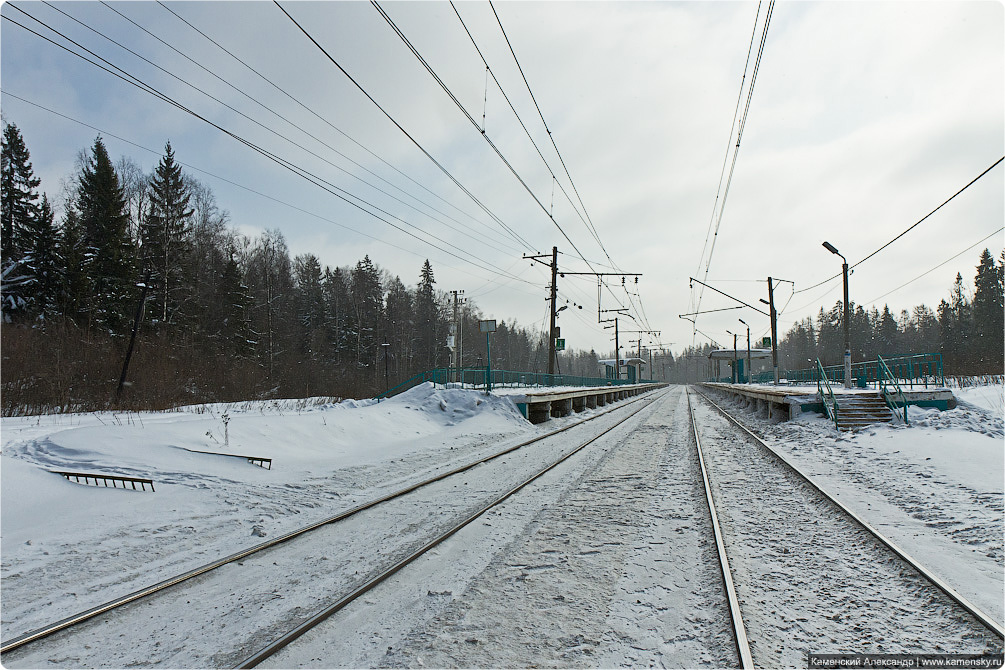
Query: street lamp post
point(748, 349)
point(847, 336)
point(734, 355)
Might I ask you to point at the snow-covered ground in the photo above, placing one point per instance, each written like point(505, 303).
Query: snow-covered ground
point(66, 546)
point(934, 487)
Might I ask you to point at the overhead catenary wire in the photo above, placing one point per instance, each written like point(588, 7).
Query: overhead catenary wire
point(909, 228)
point(492, 280)
point(337, 130)
point(401, 128)
point(713, 224)
point(299, 171)
point(258, 123)
point(401, 35)
point(588, 221)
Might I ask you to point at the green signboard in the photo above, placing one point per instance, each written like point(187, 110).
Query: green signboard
point(766, 342)
point(559, 344)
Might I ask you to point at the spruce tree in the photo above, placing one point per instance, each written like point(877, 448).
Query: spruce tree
point(46, 264)
point(18, 208)
point(165, 234)
point(18, 215)
point(109, 253)
point(426, 312)
point(988, 316)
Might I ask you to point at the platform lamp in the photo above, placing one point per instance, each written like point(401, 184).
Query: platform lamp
point(748, 350)
point(847, 311)
point(734, 355)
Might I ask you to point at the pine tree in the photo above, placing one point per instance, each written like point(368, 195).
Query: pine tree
point(335, 288)
point(367, 300)
point(955, 325)
point(234, 318)
point(310, 304)
point(109, 252)
point(18, 215)
point(988, 317)
point(887, 333)
point(46, 264)
point(166, 238)
point(426, 311)
point(18, 208)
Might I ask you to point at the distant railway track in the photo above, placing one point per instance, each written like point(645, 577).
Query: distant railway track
point(750, 650)
point(23, 642)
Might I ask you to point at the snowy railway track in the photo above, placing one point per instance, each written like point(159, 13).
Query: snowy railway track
point(844, 589)
point(25, 645)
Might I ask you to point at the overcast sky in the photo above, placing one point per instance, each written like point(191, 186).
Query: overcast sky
point(865, 116)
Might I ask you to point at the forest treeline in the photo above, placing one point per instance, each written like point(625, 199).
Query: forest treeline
point(968, 330)
point(222, 316)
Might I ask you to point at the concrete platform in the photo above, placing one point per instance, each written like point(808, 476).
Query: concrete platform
point(540, 406)
point(788, 402)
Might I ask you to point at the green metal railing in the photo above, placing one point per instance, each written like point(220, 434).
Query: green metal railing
point(895, 399)
point(922, 370)
point(478, 377)
point(828, 399)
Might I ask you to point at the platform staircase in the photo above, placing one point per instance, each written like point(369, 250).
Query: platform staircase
point(856, 411)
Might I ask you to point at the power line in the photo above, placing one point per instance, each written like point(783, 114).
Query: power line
point(261, 125)
point(338, 130)
point(299, 171)
point(937, 266)
point(510, 280)
point(910, 228)
point(435, 162)
point(481, 131)
point(588, 222)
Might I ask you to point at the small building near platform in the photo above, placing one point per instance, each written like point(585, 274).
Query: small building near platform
point(631, 368)
point(737, 372)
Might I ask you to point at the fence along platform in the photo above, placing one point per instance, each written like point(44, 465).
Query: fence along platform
point(114, 479)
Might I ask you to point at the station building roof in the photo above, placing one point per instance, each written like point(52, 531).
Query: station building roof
point(729, 354)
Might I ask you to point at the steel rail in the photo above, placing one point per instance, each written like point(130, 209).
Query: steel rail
point(983, 618)
point(327, 612)
point(80, 617)
point(736, 616)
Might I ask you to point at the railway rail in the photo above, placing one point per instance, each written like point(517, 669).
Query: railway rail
point(64, 626)
point(749, 651)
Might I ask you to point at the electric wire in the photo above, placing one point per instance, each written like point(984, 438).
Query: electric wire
point(588, 222)
point(473, 122)
point(739, 136)
point(303, 173)
point(930, 270)
point(276, 114)
point(692, 306)
point(435, 162)
point(279, 201)
point(337, 130)
point(910, 228)
point(261, 125)
point(488, 72)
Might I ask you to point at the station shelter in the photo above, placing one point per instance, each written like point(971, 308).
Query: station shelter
point(631, 368)
point(736, 360)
